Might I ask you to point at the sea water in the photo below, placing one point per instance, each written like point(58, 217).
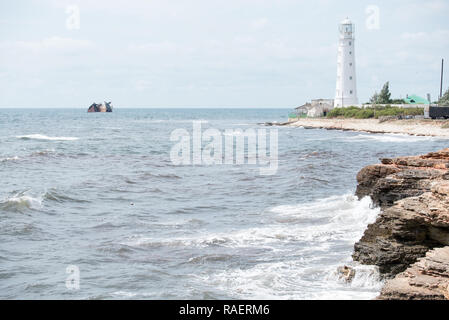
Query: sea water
point(99, 193)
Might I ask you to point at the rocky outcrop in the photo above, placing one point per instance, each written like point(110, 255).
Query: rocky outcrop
point(100, 107)
point(426, 279)
point(413, 193)
point(403, 177)
point(406, 231)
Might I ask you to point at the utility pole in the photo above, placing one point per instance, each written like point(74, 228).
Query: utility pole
point(441, 81)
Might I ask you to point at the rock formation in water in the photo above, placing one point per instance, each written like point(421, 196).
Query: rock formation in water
point(99, 107)
point(413, 193)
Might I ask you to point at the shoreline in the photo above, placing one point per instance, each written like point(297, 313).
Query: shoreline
point(409, 241)
point(424, 127)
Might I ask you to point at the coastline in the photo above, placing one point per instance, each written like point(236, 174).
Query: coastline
point(409, 241)
point(424, 127)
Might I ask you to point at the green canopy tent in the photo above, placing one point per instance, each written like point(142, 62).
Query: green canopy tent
point(414, 99)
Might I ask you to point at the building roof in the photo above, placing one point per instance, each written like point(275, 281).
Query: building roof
point(414, 99)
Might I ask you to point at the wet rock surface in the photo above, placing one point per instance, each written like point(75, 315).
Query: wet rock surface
point(413, 193)
point(346, 273)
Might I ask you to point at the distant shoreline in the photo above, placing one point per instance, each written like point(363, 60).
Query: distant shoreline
point(425, 127)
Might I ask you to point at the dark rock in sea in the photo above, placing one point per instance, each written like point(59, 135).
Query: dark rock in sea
point(413, 193)
point(275, 123)
point(346, 273)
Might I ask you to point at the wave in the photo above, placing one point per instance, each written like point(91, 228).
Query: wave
point(295, 252)
point(159, 175)
point(342, 213)
point(44, 137)
point(366, 276)
point(21, 202)
point(43, 153)
point(293, 280)
point(9, 159)
point(337, 218)
point(391, 137)
point(59, 196)
point(19, 229)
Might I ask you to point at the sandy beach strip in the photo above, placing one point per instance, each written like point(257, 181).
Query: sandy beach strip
point(424, 127)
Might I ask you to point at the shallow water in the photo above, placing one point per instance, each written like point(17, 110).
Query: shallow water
point(99, 191)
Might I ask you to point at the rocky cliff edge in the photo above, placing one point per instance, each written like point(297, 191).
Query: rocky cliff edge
point(409, 238)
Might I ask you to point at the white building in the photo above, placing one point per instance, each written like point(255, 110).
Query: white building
point(315, 108)
point(346, 90)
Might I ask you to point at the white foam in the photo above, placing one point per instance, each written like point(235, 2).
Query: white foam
point(295, 280)
point(366, 276)
point(304, 245)
point(44, 137)
point(315, 239)
point(125, 294)
point(391, 137)
point(20, 202)
point(339, 217)
point(9, 159)
point(342, 214)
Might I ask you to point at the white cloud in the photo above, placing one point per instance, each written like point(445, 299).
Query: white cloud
point(437, 37)
point(417, 11)
point(48, 44)
point(436, 5)
point(237, 48)
point(259, 23)
point(165, 47)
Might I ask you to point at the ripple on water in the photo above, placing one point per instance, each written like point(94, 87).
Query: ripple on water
point(62, 196)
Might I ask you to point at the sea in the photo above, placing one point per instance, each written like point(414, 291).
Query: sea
point(92, 206)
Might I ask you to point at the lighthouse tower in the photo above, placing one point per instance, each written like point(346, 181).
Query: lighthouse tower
point(346, 90)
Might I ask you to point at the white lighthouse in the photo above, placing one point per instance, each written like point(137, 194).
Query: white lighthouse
point(346, 90)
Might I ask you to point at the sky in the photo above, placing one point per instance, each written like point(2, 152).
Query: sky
point(210, 53)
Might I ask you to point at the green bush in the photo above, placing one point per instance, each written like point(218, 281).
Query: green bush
point(364, 114)
point(373, 112)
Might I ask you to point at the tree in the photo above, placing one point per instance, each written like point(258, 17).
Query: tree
point(374, 99)
point(444, 99)
point(385, 95)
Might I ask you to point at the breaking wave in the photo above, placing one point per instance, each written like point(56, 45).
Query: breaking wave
point(9, 159)
point(302, 246)
point(391, 137)
point(44, 137)
point(334, 218)
point(20, 202)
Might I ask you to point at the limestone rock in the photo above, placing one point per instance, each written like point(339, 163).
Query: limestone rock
point(402, 177)
point(426, 279)
point(413, 193)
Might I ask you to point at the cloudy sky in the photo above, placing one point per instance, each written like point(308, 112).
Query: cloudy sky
point(210, 53)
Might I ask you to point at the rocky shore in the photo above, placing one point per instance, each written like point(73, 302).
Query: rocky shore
point(423, 127)
point(409, 241)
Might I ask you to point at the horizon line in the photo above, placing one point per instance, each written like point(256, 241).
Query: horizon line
point(152, 107)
